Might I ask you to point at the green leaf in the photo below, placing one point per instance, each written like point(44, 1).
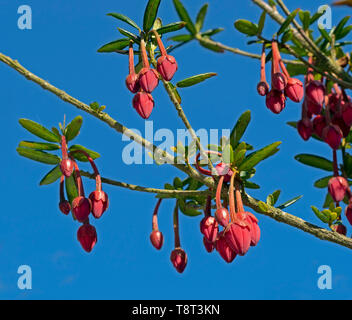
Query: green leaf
point(288, 21)
point(52, 176)
point(289, 203)
point(39, 156)
point(186, 210)
point(328, 200)
point(150, 14)
point(115, 45)
point(321, 216)
point(124, 19)
point(239, 157)
point(73, 128)
point(81, 157)
point(177, 183)
point(129, 35)
point(275, 196)
point(247, 27)
point(340, 27)
point(287, 36)
point(322, 183)
point(251, 185)
point(191, 81)
point(201, 17)
point(176, 93)
point(316, 17)
point(38, 130)
point(240, 128)
point(171, 27)
point(211, 46)
point(325, 35)
point(305, 19)
point(263, 206)
point(71, 188)
point(184, 16)
point(344, 32)
point(181, 37)
point(56, 133)
point(315, 161)
point(38, 145)
point(254, 158)
point(212, 32)
point(261, 22)
point(227, 154)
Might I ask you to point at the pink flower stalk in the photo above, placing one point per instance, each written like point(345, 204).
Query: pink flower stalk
point(148, 77)
point(156, 237)
point(132, 82)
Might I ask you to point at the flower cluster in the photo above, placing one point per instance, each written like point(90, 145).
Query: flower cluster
point(143, 83)
point(97, 202)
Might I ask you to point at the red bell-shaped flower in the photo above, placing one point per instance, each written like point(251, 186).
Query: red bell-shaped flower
point(81, 208)
point(275, 101)
point(224, 249)
point(144, 103)
point(263, 88)
point(157, 239)
point(238, 236)
point(338, 187)
point(348, 212)
point(279, 81)
point(65, 207)
point(339, 228)
point(179, 259)
point(347, 114)
point(332, 135)
point(319, 123)
point(87, 236)
point(148, 79)
point(132, 83)
point(315, 92)
point(255, 230)
point(222, 216)
point(305, 128)
point(209, 228)
point(66, 167)
point(167, 66)
point(100, 202)
point(209, 246)
point(294, 90)
point(314, 108)
point(338, 120)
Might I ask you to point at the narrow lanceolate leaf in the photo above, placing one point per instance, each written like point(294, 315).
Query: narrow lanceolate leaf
point(81, 157)
point(181, 37)
point(275, 196)
point(247, 27)
point(150, 14)
point(201, 16)
point(39, 156)
point(38, 130)
point(315, 161)
point(322, 183)
point(305, 19)
point(341, 26)
point(325, 35)
point(129, 35)
point(227, 154)
point(289, 203)
point(344, 32)
point(240, 128)
point(52, 176)
point(124, 19)
point(288, 21)
point(115, 45)
point(184, 16)
point(171, 27)
point(73, 128)
point(261, 22)
point(195, 79)
point(71, 188)
point(39, 145)
point(251, 185)
point(254, 158)
point(188, 211)
point(212, 32)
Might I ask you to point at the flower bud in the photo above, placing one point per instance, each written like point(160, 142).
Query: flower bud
point(167, 66)
point(338, 121)
point(279, 81)
point(334, 101)
point(305, 129)
point(315, 92)
point(209, 228)
point(100, 202)
point(314, 108)
point(157, 239)
point(66, 167)
point(224, 169)
point(209, 246)
point(238, 238)
point(65, 207)
point(294, 90)
point(222, 216)
point(319, 123)
point(87, 236)
point(275, 101)
point(148, 79)
point(339, 228)
point(179, 259)
point(348, 212)
point(337, 188)
point(332, 135)
point(255, 230)
point(263, 88)
point(132, 83)
point(347, 114)
point(144, 103)
point(224, 249)
point(81, 208)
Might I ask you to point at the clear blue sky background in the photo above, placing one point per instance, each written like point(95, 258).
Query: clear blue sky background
point(61, 48)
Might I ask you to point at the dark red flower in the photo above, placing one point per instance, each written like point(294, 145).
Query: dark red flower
point(238, 236)
point(319, 123)
point(179, 259)
point(132, 83)
point(334, 101)
point(278, 81)
point(87, 236)
point(167, 66)
point(209, 228)
point(100, 203)
point(66, 167)
point(209, 246)
point(348, 212)
point(339, 228)
point(337, 188)
point(157, 239)
point(263, 88)
point(314, 108)
point(294, 90)
point(81, 208)
point(315, 92)
point(305, 128)
point(222, 216)
point(275, 101)
point(255, 230)
point(144, 103)
point(224, 249)
point(332, 135)
point(338, 120)
point(148, 79)
point(347, 114)
point(65, 207)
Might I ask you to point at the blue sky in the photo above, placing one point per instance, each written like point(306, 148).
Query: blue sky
point(61, 48)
